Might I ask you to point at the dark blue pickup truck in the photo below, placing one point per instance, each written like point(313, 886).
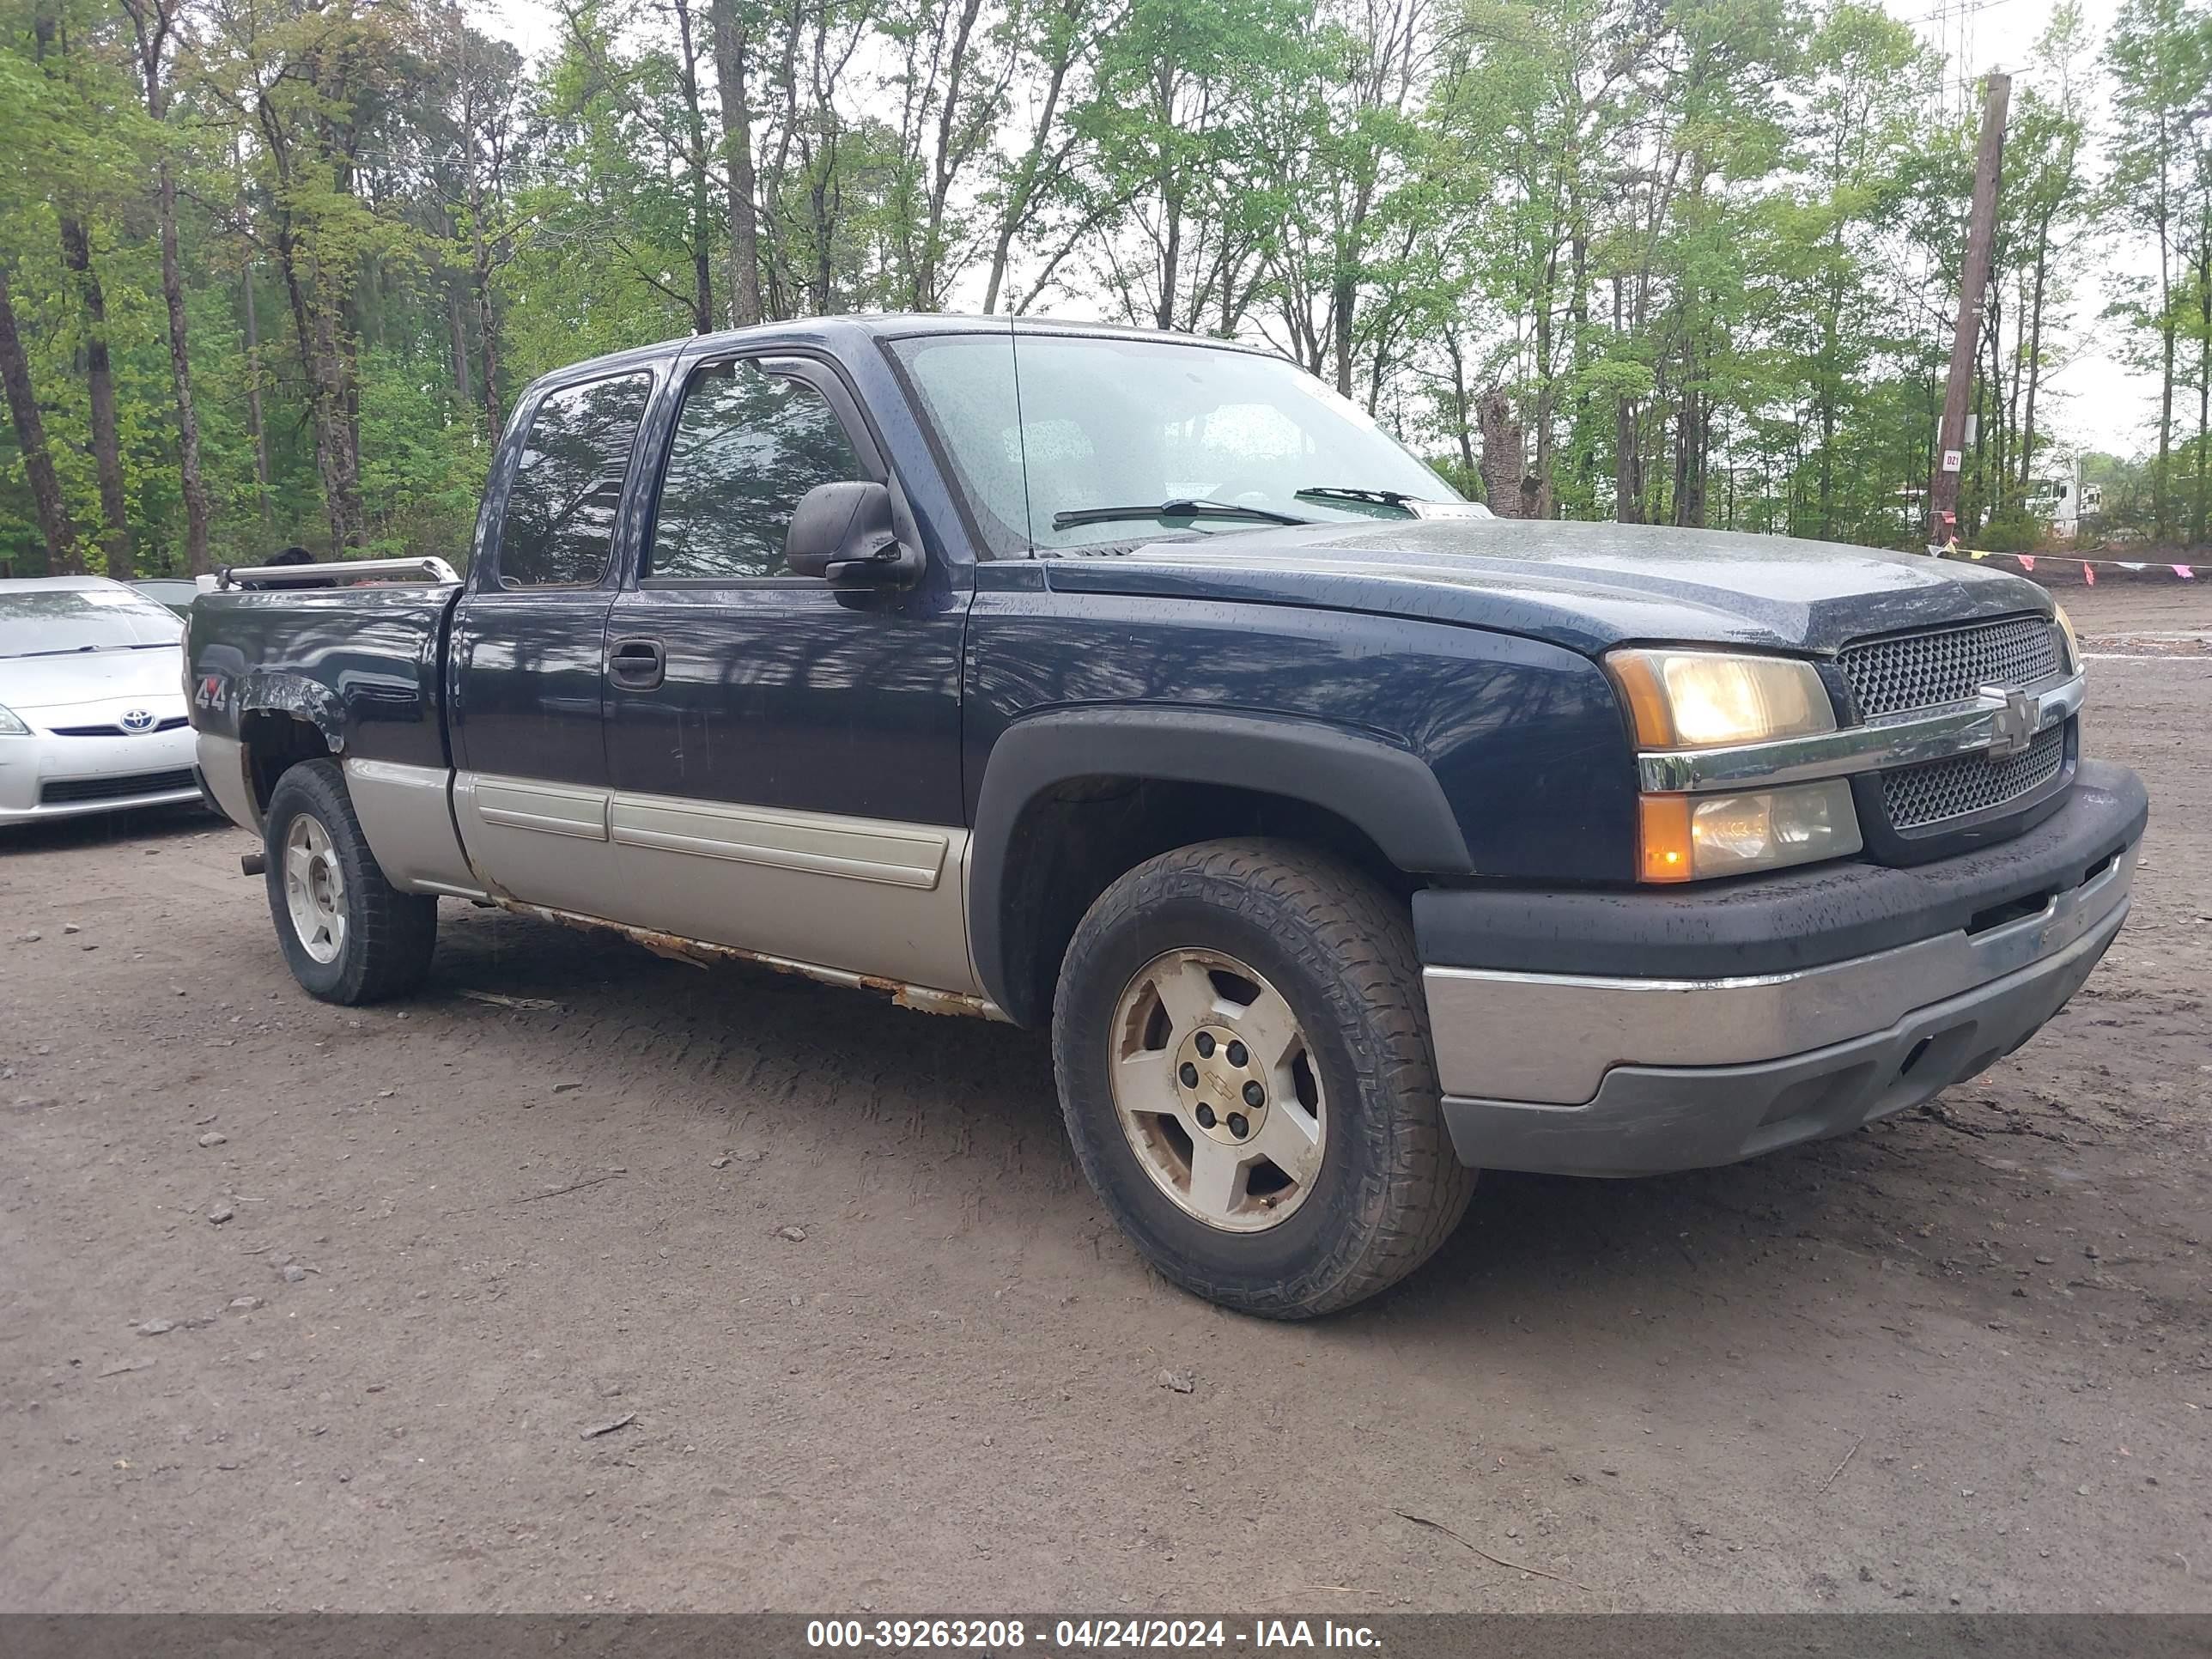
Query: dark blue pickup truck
point(1348, 839)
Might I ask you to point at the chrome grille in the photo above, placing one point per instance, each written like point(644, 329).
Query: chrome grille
point(1922, 671)
point(1929, 793)
point(112, 730)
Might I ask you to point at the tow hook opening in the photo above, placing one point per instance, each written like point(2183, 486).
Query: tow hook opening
point(1919, 1053)
point(1998, 915)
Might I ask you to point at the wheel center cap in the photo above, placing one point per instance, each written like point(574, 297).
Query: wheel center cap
point(1220, 1085)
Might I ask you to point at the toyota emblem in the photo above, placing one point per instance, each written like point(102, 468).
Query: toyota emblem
point(137, 720)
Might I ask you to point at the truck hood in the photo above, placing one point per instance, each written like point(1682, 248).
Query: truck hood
point(1586, 586)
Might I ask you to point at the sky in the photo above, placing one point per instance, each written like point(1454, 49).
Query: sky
point(2101, 404)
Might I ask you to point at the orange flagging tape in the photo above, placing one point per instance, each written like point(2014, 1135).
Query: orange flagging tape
point(2027, 562)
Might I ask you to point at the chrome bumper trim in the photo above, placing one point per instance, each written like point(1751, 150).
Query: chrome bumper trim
point(1649, 1120)
point(1923, 734)
point(1551, 1038)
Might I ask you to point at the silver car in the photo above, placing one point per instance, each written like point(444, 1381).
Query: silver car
point(92, 700)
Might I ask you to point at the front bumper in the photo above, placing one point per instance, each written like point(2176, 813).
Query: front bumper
point(48, 776)
point(1596, 1074)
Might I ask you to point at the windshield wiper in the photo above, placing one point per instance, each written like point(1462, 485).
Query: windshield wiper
point(1357, 492)
point(1176, 509)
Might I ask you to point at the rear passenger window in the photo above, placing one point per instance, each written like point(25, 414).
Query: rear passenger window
point(559, 526)
point(748, 445)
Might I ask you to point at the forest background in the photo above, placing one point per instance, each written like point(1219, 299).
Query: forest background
point(274, 270)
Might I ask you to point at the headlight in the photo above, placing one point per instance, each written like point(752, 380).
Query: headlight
point(11, 724)
point(1694, 837)
point(2073, 640)
point(1707, 699)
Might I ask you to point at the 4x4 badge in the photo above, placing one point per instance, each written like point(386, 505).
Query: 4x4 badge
point(2014, 720)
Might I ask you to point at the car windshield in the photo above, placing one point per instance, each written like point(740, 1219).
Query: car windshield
point(1120, 440)
point(50, 621)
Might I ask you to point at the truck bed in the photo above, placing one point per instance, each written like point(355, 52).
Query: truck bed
point(364, 665)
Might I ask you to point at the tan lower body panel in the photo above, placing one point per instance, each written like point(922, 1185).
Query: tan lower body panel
point(856, 897)
point(222, 763)
point(405, 814)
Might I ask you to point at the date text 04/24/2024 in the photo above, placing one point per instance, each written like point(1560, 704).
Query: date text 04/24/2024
point(1084, 1635)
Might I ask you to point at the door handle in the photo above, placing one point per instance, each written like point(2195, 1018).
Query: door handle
point(636, 665)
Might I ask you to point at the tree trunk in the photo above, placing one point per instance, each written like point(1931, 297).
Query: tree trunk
point(2157, 500)
point(1343, 294)
point(31, 438)
point(730, 44)
point(702, 258)
point(1022, 198)
point(255, 426)
point(322, 356)
point(151, 27)
point(1463, 424)
point(1170, 201)
point(488, 349)
point(1627, 457)
point(2203, 382)
point(1512, 493)
point(945, 166)
point(1689, 459)
point(1828, 378)
point(180, 375)
point(480, 272)
point(457, 330)
point(2035, 353)
point(99, 378)
point(1546, 389)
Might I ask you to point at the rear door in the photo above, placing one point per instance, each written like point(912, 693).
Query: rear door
point(528, 652)
point(784, 754)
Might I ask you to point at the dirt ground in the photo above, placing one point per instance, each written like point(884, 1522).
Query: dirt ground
point(1964, 1359)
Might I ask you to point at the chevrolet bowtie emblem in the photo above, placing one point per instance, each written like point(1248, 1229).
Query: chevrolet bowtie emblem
point(2015, 717)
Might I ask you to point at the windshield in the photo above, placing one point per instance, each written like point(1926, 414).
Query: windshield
point(1124, 439)
point(39, 621)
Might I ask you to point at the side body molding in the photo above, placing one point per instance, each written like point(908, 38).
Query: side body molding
point(1387, 792)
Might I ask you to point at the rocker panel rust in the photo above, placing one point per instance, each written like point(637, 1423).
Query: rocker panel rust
point(698, 953)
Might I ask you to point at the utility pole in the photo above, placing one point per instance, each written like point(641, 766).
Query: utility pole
point(1981, 234)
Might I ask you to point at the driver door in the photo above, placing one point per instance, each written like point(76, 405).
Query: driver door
point(528, 648)
point(784, 755)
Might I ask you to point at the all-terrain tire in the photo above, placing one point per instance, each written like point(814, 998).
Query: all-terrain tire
point(388, 935)
point(1340, 949)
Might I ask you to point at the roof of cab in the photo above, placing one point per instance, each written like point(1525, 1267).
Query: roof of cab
point(831, 332)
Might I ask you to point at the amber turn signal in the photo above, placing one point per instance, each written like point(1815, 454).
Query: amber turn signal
point(1664, 835)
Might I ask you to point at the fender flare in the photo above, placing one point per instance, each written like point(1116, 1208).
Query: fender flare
point(297, 697)
point(1389, 793)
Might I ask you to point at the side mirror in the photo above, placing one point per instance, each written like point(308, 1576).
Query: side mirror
point(842, 531)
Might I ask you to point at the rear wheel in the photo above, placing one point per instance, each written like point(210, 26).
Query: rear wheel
point(348, 934)
point(1242, 1046)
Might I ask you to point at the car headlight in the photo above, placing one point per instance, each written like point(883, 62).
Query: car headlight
point(1692, 700)
point(2073, 640)
point(11, 724)
point(1710, 699)
point(1695, 837)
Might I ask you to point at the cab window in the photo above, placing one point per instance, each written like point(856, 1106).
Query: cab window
point(558, 529)
point(748, 444)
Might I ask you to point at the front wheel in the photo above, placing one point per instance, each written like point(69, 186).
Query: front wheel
point(348, 935)
point(1242, 1046)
